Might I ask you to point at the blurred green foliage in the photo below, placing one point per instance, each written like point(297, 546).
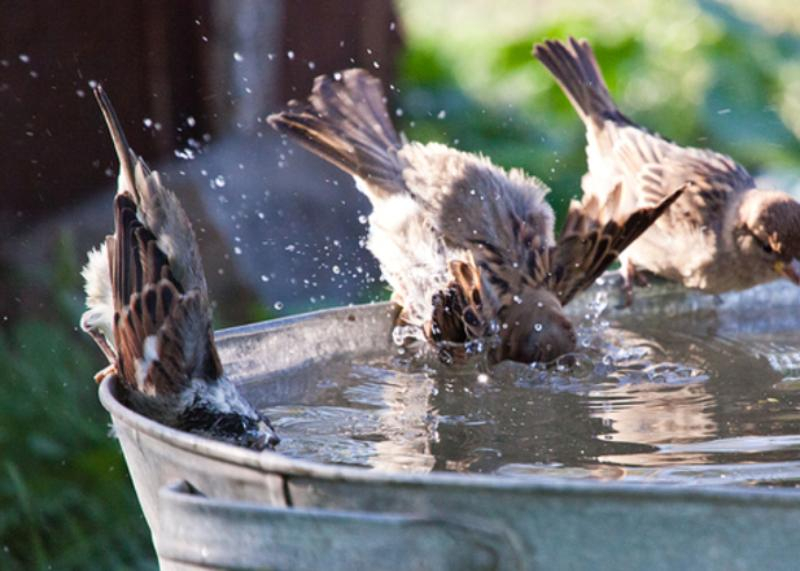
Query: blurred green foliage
point(697, 72)
point(66, 501)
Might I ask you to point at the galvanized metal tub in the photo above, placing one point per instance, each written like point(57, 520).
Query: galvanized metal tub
point(211, 505)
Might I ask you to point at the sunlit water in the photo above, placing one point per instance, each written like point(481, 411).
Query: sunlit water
point(706, 392)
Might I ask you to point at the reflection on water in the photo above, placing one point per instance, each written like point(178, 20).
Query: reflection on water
point(706, 396)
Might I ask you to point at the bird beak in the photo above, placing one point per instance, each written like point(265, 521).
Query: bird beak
point(790, 270)
point(269, 439)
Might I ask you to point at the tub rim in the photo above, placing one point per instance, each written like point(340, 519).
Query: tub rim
point(275, 463)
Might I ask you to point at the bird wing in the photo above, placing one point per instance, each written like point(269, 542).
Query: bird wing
point(162, 326)
point(458, 310)
point(652, 167)
point(163, 333)
point(593, 237)
point(157, 207)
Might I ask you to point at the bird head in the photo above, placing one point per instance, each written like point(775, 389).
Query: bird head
point(769, 233)
point(533, 328)
point(258, 434)
point(254, 432)
point(246, 428)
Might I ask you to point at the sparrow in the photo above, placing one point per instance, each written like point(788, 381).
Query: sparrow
point(148, 311)
point(723, 234)
point(467, 247)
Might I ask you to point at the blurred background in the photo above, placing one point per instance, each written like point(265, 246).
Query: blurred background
point(280, 231)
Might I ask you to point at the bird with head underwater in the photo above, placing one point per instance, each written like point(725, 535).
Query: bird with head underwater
point(467, 247)
point(148, 311)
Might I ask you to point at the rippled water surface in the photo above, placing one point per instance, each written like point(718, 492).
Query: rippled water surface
point(685, 390)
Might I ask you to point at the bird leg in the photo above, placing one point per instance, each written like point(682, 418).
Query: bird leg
point(107, 350)
point(102, 342)
point(630, 277)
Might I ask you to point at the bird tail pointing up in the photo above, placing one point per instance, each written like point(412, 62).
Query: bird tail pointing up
point(575, 68)
point(345, 122)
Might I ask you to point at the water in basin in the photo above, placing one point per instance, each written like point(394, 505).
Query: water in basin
point(684, 389)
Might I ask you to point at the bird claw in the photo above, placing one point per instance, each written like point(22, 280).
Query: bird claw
point(100, 376)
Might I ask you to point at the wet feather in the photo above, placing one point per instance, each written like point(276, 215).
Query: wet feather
point(467, 247)
point(148, 310)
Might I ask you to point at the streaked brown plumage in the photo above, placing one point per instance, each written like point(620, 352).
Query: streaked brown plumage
point(723, 234)
point(467, 247)
point(148, 310)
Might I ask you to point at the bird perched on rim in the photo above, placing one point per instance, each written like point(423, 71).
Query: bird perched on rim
point(467, 247)
point(723, 234)
point(148, 311)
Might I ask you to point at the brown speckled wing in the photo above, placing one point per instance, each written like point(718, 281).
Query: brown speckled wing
point(522, 260)
point(457, 315)
point(592, 239)
point(156, 324)
point(655, 167)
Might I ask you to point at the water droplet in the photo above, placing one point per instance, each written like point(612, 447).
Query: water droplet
point(399, 111)
point(264, 278)
point(517, 299)
point(278, 305)
point(148, 122)
point(191, 121)
point(24, 58)
point(185, 154)
point(442, 114)
point(80, 93)
point(483, 378)
point(336, 270)
point(362, 219)
point(337, 76)
point(538, 327)
point(237, 56)
point(311, 65)
point(237, 250)
point(290, 54)
point(219, 181)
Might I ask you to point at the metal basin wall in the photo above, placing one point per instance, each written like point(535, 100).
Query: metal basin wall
point(211, 505)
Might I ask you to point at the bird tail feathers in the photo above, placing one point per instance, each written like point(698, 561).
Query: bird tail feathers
point(574, 67)
point(345, 122)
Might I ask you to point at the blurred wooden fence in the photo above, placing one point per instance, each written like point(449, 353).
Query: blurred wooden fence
point(162, 61)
